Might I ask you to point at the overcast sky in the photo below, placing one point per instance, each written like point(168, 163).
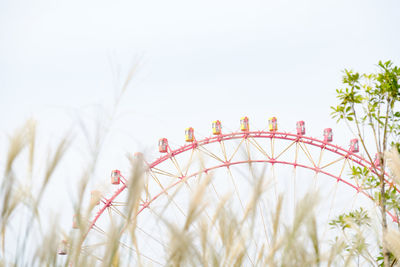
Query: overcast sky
point(197, 61)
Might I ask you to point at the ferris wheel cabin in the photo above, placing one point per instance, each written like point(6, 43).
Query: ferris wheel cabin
point(301, 129)
point(163, 145)
point(189, 134)
point(115, 177)
point(328, 135)
point(354, 145)
point(273, 124)
point(216, 127)
point(244, 124)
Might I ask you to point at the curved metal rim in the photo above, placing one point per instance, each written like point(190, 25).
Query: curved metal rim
point(255, 134)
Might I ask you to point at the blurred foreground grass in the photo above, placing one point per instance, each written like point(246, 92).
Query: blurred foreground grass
point(33, 238)
point(29, 238)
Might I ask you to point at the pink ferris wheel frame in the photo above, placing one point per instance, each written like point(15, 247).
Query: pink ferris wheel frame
point(323, 145)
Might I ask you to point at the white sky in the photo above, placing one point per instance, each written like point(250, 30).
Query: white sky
point(199, 61)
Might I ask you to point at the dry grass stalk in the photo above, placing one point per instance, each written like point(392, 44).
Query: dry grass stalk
point(225, 239)
point(392, 239)
point(393, 161)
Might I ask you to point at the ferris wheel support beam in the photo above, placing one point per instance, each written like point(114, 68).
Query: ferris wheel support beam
point(272, 161)
point(272, 135)
point(251, 136)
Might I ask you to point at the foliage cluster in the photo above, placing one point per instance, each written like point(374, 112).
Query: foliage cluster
point(369, 102)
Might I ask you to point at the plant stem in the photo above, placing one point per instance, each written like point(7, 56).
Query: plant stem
point(386, 253)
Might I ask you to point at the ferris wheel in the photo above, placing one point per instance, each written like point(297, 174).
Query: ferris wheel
point(289, 164)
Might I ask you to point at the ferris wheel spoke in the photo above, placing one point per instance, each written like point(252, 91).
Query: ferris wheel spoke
point(332, 162)
point(205, 210)
point(210, 154)
point(163, 172)
point(264, 225)
point(211, 180)
point(296, 154)
point(274, 182)
point(286, 149)
point(152, 237)
point(159, 215)
point(272, 146)
point(141, 254)
point(121, 204)
point(248, 256)
point(316, 181)
point(89, 254)
point(235, 188)
point(248, 151)
point(164, 190)
point(88, 247)
point(88, 250)
point(223, 149)
point(317, 171)
point(176, 164)
point(145, 232)
point(155, 178)
point(116, 203)
point(171, 200)
point(176, 205)
point(342, 169)
point(236, 150)
point(189, 163)
point(215, 191)
point(330, 209)
point(113, 208)
point(307, 153)
point(321, 153)
point(99, 230)
point(194, 226)
point(249, 158)
point(294, 176)
point(258, 147)
point(159, 219)
point(244, 212)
